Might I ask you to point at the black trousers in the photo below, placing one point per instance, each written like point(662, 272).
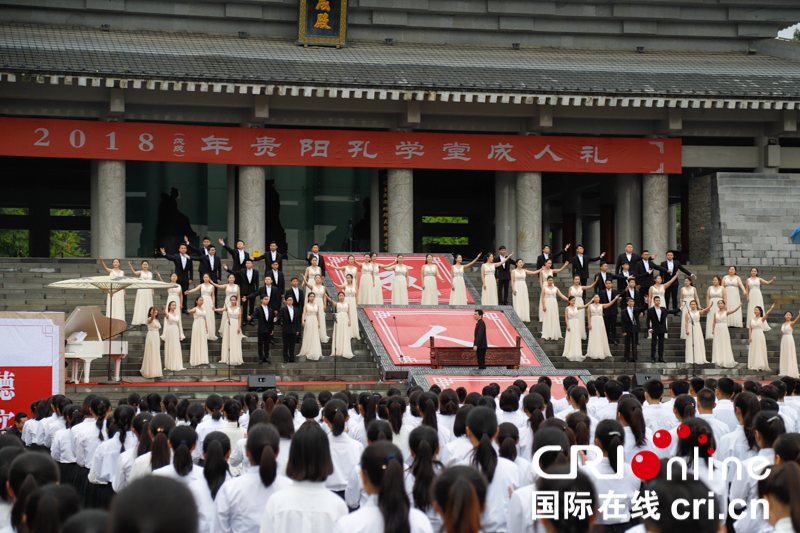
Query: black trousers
point(658, 338)
point(263, 346)
point(672, 294)
point(502, 291)
point(184, 283)
point(611, 327)
point(584, 281)
point(481, 353)
point(250, 307)
point(288, 347)
point(631, 340)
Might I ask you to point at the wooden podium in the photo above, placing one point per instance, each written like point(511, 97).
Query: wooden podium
point(461, 356)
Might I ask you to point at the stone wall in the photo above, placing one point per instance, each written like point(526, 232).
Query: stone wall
point(699, 220)
point(752, 217)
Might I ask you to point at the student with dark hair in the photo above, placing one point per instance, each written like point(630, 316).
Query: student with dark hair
point(158, 430)
point(215, 473)
point(240, 502)
point(28, 472)
point(701, 439)
point(657, 415)
point(139, 429)
point(724, 411)
point(99, 491)
point(88, 438)
point(61, 445)
point(233, 411)
point(582, 427)
point(461, 392)
point(345, 452)
point(613, 392)
point(578, 398)
point(387, 507)
point(638, 437)
point(533, 405)
point(367, 409)
point(671, 492)
point(450, 453)
point(238, 461)
point(705, 410)
point(741, 442)
point(460, 497)
point(214, 420)
point(306, 505)
point(48, 508)
point(170, 507)
point(354, 494)
point(182, 440)
point(424, 445)
point(499, 471)
point(779, 489)
point(509, 409)
point(507, 441)
point(448, 407)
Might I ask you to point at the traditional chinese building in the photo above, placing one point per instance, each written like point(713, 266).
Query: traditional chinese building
point(436, 125)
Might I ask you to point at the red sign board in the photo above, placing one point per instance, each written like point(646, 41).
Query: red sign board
point(407, 332)
point(34, 137)
point(477, 383)
point(413, 262)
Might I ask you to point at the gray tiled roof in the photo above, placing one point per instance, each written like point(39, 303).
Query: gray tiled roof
point(120, 53)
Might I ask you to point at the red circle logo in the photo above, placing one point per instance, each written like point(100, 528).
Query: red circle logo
point(683, 431)
point(645, 465)
point(662, 439)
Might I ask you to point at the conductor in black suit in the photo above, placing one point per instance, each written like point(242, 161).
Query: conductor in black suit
point(272, 255)
point(266, 328)
point(657, 326)
point(629, 320)
point(479, 345)
point(627, 257)
point(607, 295)
point(502, 274)
point(643, 270)
point(270, 291)
point(673, 266)
point(542, 259)
point(183, 268)
point(290, 322)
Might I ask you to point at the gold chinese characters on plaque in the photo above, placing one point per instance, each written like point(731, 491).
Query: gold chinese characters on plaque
point(322, 23)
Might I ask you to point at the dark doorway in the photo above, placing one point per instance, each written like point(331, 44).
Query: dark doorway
point(453, 211)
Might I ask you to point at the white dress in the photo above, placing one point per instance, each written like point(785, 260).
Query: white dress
point(311, 348)
point(350, 300)
point(323, 333)
point(695, 341)
point(551, 327)
point(366, 286)
point(312, 273)
point(543, 275)
point(733, 300)
point(377, 286)
point(143, 302)
point(115, 305)
point(230, 290)
point(578, 294)
point(757, 354)
point(232, 344)
point(721, 352)
point(173, 358)
point(572, 339)
point(208, 306)
point(756, 299)
point(400, 286)
point(520, 300)
point(788, 364)
point(353, 271)
point(151, 362)
point(489, 289)
point(597, 347)
point(686, 297)
point(430, 294)
point(714, 296)
point(174, 295)
point(458, 292)
point(198, 351)
point(341, 332)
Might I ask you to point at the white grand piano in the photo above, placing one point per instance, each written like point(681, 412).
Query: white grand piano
point(98, 328)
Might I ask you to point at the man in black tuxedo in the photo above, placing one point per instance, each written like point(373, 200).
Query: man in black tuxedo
point(479, 344)
point(601, 278)
point(278, 279)
point(271, 292)
point(298, 298)
point(631, 292)
point(248, 284)
point(208, 263)
point(290, 326)
point(272, 255)
point(197, 251)
point(643, 270)
point(580, 265)
point(542, 259)
point(502, 274)
point(183, 268)
point(673, 266)
point(629, 320)
point(624, 275)
point(657, 326)
point(266, 328)
point(239, 256)
point(320, 259)
point(607, 295)
point(627, 257)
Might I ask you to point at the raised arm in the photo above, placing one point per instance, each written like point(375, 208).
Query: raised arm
point(390, 266)
point(734, 310)
point(793, 322)
point(670, 282)
point(768, 312)
point(533, 272)
point(342, 286)
point(562, 268)
point(193, 290)
point(334, 267)
point(609, 304)
point(587, 287)
point(108, 270)
point(770, 282)
point(706, 310)
point(305, 282)
point(473, 261)
point(135, 272)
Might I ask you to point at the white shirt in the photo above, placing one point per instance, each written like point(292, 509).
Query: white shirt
point(455, 451)
point(580, 258)
point(275, 275)
point(630, 314)
point(434, 517)
point(241, 256)
point(719, 428)
point(724, 412)
point(169, 471)
point(628, 485)
point(784, 525)
point(61, 448)
point(106, 458)
point(234, 432)
point(646, 265)
point(594, 404)
point(29, 431)
point(747, 489)
point(296, 294)
point(520, 511)
point(124, 467)
point(789, 417)
point(608, 412)
point(669, 266)
point(210, 260)
point(505, 475)
point(87, 442)
point(632, 449)
point(206, 426)
point(44, 434)
point(291, 311)
point(266, 308)
point(734, 444)
point(608, 294)
point(659, 416)
point(559, 405)
point(369, 519)
point(354, 495)
point(345, 455)
point(240, 502)
point(658, 313)
point(306, 506)
point(249, 273)
point(183, 260)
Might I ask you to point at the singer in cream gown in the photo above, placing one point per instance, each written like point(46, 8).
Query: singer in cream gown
point(572, 339)
point(458, 292)
point(597, 347)
point(232, 338)
point(757, 354)
point(319, 290)
point(721, 352)
point(687, 295)
point(695, 341)
point(755, 299)
point(198, 351)
point(174, 295)
point(352, 307)
point(143, 302)
point(400, 285)
point(489, 288)
point(230, 290)
point(788, 362)
point(311, 348)
point(115, 305)
point(377, 286)
point(551, 327)
point(543, 275)
point(366, 285)
point(151, 362)
point(341, 332)
point(732, 300)
point(207, 292)
point(430, 293)
point(520, 300)
point(577, 292)
point(173, 358)
point(714, 296)
point(311, 273)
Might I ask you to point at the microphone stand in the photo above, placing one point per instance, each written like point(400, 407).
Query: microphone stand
point(333, 347)
point(230, 345)
point(400, 346)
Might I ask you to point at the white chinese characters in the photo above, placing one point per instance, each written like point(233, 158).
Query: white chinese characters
point(216, 144)
point(7, 391)
point(590, 155)
point(265, 145)
point(320, 148)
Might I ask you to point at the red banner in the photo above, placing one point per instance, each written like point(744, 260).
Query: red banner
point(408, 332)
point(33, 137)
point(414, 264)
point(477, 383)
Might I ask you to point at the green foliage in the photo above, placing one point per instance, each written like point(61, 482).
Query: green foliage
point(446, 241)
point(796, 35)
point(14, 242)
point(445, 220)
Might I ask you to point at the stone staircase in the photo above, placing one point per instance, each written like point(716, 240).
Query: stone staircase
point(23, 288)
point(784, 293)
